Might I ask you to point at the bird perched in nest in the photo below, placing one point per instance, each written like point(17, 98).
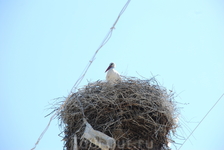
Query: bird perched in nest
point(112, 75)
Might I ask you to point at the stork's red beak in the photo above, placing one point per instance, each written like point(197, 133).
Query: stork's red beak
point(108, 68)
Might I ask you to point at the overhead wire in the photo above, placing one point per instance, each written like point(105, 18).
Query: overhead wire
point(106, 39)
point(201, 121)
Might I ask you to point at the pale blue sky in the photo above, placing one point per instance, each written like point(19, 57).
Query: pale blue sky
point(45, 45)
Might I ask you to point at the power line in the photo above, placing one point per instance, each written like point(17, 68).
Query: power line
point(106, 39)
point(202, 120)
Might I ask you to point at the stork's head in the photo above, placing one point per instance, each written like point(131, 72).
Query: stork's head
point(112, 65)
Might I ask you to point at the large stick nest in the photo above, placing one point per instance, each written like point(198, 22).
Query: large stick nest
point(138, 114)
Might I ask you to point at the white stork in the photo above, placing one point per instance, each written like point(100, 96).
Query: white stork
point(112, 75)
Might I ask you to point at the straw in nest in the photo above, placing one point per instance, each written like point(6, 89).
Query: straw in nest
point(138, 114)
